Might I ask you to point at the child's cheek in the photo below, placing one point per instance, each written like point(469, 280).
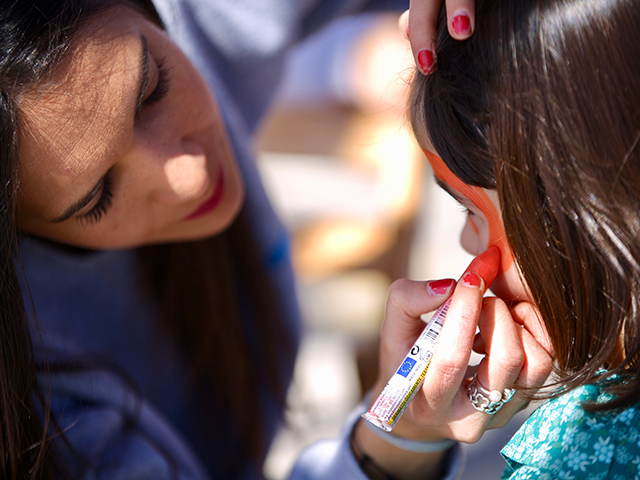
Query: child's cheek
point(474, 237)
point(470, 238)
point(497, 236)
point(488, 205)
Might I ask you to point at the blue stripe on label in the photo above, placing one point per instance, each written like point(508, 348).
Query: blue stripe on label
point(406, 367)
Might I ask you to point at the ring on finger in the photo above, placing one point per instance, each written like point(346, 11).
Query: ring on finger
point(487, 401)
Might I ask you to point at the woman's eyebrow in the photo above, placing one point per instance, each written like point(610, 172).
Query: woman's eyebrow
point(144, 73)
point(80, 204)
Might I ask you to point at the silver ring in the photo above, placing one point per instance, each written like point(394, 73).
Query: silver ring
point(487, 401)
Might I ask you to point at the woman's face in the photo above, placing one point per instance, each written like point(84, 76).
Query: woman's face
point(483, 228)
point(123, 145)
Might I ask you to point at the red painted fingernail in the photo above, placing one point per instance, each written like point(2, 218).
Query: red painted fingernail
point(471, 279)
point(486, 264)
point(440, 287)
point(461, 24)
point(425, 60)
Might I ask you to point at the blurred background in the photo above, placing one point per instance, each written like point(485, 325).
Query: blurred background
point(343, 171)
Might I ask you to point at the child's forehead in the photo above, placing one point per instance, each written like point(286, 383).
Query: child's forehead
point(457, 196)
point(452, 184)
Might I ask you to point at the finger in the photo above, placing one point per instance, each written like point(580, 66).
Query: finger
point(536, 368)
point(461, 18)
point(538, 362)
point(528, 316)
point(422, 32)
point(456, 339)
point(407, 301)
point(403, 24)
point(504, 351)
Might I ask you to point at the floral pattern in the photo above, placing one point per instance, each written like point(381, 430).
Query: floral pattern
point(563, 441)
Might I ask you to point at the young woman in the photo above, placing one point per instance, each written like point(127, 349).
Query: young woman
point(120, 176)
point(537, 116)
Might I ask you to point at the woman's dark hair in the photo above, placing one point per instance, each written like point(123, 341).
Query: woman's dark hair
point(201, 287)
point(197, 282)
point(543, 103)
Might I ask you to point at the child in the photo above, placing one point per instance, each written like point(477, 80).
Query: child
point(540, 111)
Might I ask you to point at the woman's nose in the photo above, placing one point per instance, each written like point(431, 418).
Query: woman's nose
point(185, 175)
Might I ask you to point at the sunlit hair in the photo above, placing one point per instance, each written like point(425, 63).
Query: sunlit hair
point(197, 282)
point(543, 103)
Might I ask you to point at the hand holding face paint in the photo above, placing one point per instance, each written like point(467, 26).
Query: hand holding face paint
point(441, 408)
point(405, 382)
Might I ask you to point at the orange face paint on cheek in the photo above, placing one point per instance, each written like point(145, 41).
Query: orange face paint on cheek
point(481, 200)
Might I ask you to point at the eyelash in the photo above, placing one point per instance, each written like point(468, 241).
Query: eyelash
point(466, 211)
point(104, 203)
point(162, 87)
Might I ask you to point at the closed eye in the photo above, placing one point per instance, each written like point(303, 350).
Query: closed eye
point(466, 210)
point(101, 208)
point(162, 87)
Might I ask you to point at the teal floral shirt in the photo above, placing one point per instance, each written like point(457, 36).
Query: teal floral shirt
point(561, 441)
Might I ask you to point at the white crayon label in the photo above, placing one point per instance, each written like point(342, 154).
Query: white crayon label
point(406, 381)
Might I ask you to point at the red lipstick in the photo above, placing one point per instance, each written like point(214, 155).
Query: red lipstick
point(212, 202)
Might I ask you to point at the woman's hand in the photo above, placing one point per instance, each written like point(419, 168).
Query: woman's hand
point(420, 26)
point(517, 352)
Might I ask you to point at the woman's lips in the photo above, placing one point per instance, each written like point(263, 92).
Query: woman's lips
point(213, 201)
